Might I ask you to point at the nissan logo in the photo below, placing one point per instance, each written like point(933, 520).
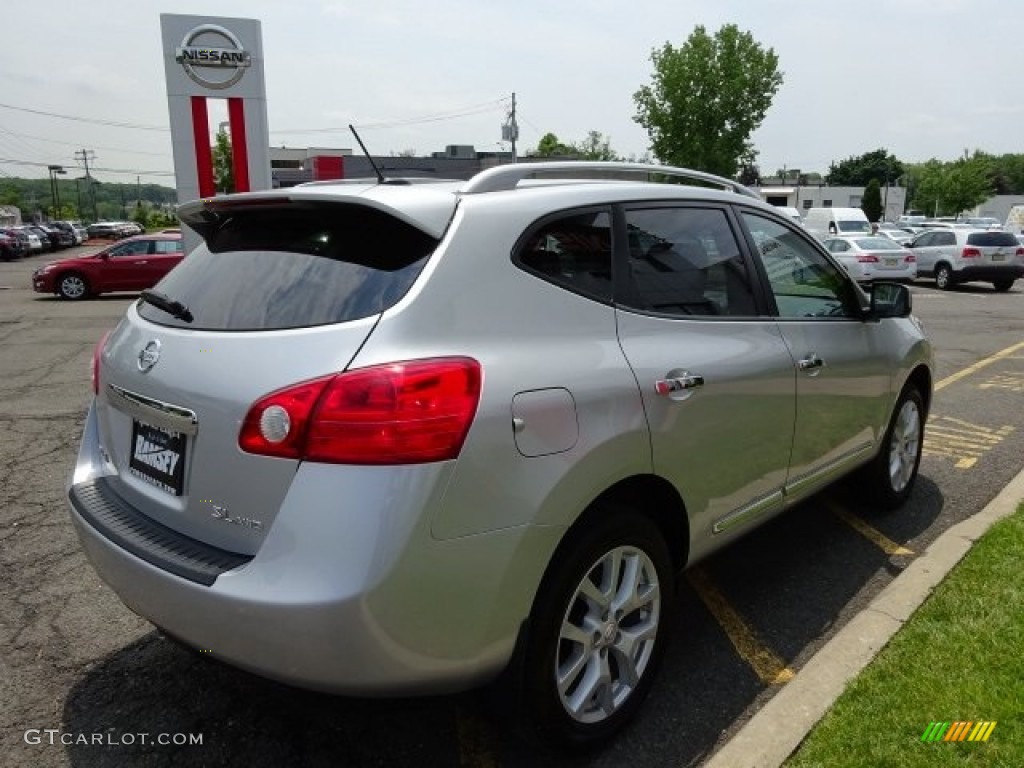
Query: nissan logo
point(212, 56)
point(149, 355)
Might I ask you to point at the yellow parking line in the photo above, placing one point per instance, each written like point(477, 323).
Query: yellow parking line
point(766, 665)
point(873, 535)
point(978, 366)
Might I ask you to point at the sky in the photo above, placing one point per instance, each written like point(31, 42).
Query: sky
point(921, 78)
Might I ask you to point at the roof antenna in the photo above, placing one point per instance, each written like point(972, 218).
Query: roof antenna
point(380, 176)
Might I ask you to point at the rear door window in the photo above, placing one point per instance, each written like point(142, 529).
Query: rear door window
point(686, 261)
point(294, 266)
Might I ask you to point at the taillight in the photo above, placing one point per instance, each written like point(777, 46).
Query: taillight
point(96, 353)
point(970, 253)
point(1020, 253)
point(401, 413)
point(910, 258)
point(867, 258)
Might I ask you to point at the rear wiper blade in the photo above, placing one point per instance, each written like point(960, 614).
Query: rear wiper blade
point(171, 306)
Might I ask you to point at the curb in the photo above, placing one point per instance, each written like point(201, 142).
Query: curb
point(778, 728)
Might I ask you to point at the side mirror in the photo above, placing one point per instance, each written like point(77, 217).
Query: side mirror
point(889, 300)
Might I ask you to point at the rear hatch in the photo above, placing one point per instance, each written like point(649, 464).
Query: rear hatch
point(281, 291)
point(993, 249)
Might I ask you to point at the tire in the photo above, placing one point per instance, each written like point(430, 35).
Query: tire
point(943, 277)
point(605, 644)
point(889, 479)
point(1002, 285)
point(72, 286)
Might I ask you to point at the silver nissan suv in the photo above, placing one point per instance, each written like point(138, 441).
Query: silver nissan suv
point(391, 438)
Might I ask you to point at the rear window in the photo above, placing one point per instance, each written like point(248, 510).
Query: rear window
point(294, 266)
point(854, 226)
point(991, 239)
point(877, 244)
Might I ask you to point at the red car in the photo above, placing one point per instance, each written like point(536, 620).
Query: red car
point(129, 265)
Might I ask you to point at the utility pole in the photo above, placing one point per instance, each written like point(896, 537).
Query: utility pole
point(510, 130)
point(84, 156)
point(515, 127)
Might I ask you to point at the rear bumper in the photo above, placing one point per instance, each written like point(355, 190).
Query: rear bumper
point(989, 273)
point(348, 593)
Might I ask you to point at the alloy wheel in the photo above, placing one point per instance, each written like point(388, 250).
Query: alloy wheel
point(608, 634)
point(904, 445)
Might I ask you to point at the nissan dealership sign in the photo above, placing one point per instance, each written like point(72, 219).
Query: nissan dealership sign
point(213, 56)
point(215, 61)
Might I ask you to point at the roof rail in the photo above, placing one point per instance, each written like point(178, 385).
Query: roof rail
point(506, 177)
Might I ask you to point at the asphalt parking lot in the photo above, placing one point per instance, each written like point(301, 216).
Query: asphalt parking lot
point(86, 683)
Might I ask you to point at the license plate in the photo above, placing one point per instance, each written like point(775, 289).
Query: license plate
point(998, 257)
point(891, 262)
point(158, 457)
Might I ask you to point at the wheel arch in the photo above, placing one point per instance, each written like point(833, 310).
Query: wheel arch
point(921, 378)
point(661, 503)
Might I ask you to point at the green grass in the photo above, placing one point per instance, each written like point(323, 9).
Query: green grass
point(960, 657)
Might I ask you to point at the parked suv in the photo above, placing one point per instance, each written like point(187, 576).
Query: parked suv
point(955, 256)
point(392, 438)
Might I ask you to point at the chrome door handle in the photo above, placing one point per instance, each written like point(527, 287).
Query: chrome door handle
point(810, 363)
point(678, 384)
point(144, 261)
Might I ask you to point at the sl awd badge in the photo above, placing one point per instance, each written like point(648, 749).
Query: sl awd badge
point(149, 355)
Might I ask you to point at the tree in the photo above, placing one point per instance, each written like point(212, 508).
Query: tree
point(750, 175)
point(946, 189)
point(550, 146)
point(967, 184)
point(858, 171)
point(595, 147)
point(141, 216)
point(871, 203)
point(223, 165)
point(706, 98)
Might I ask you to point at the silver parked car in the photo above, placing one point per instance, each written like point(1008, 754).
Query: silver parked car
point(394, 438)
point(873, 258)
point(955, 256)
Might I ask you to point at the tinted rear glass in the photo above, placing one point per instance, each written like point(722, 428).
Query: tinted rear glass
point(877, 244)
point(854, 226)
point(991, 239)
point(295, 266)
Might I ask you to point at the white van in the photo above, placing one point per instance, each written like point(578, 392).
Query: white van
point(827, 222)
point(793, 213)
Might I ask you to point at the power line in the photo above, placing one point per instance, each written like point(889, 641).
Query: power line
point(128, 171)
point(75, 144)
point(476, 109)
point(109, 123)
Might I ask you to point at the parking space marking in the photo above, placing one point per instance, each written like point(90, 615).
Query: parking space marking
point(873, 535)
point(1012, 383)
point(961, 440)
point(978, 366)
point(766, 665)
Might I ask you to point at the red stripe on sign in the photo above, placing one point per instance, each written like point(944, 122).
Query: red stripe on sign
point(201, 141)
point(239, 150)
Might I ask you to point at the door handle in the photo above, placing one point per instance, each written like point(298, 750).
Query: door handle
point(144, 261)
point(811, 363)
point(681, 383)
